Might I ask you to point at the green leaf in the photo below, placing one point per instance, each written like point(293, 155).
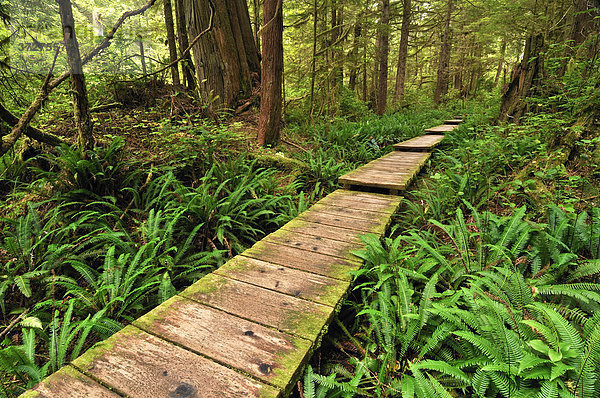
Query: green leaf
point(554, 356)
point(539, 346)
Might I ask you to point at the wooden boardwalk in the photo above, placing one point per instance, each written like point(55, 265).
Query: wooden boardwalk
point(444, 128)
point(248, 328)
point(422, 143)
point(392, 172)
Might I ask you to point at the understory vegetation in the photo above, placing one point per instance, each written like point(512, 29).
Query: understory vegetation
point(191, 129)
point(89, 243)
point(487, 284)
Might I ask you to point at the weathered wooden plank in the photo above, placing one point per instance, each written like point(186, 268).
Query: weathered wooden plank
point(416, 157)
point(371, 217)
point(444, 128)
point(314, 244)
point(310, 228)
point(453, 121)
point(386, 168)
point(137, 364)
point(328, 215)
point(398, 184)
point(316, 263)
point(354, 204)
point(424, 142)
point(306, 285)
point(361, 203)
point(289, 314)
point(265, 353)
point(68, 382)
point(368, 197)
point(393, 171)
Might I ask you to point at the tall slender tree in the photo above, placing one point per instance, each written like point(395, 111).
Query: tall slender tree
point(78, 86)
point(384, 50)
point(187, 66)
point(403, 50)
point(443, 72)
point(269, 123)
point(170, 26)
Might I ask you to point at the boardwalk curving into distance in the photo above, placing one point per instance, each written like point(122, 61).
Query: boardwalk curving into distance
point(248, 328)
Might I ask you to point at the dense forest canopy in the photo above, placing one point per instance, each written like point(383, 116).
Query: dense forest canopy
point(143, 143)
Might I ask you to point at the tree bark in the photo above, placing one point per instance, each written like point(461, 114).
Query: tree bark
point(168, 9)
point(223, 64)
point(500, 62)
point(187, 66)
point(31, 132)
point(80, 98)
point(525, 80)
point(313, 72)
point(443, 74)
point(269, 124)
point(337, 73)
point(384, 51)
point(354, 53)
point(403, 51)
point(142, 55)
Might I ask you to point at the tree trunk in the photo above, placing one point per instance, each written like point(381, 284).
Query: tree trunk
point(354, 59)
point(80, 98)
point(384, 51)
point(443, 73)
point(403, 51)
point(142, 55)
point(313, 72)
point(248, 40)
point(223, 64)
point(525, 79)
point(269, 123)
point(337, 73)
point(257, 23)
point(168, 9)
point(500, 63)
point(187, 66)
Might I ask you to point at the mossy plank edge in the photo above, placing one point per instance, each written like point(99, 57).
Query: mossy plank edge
point(289, 314)
point(68, 382)
point(267, 354)
point(138, 364)
point(309, 286)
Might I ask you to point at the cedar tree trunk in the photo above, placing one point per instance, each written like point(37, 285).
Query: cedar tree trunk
point(226, 58)
point(269, 123)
